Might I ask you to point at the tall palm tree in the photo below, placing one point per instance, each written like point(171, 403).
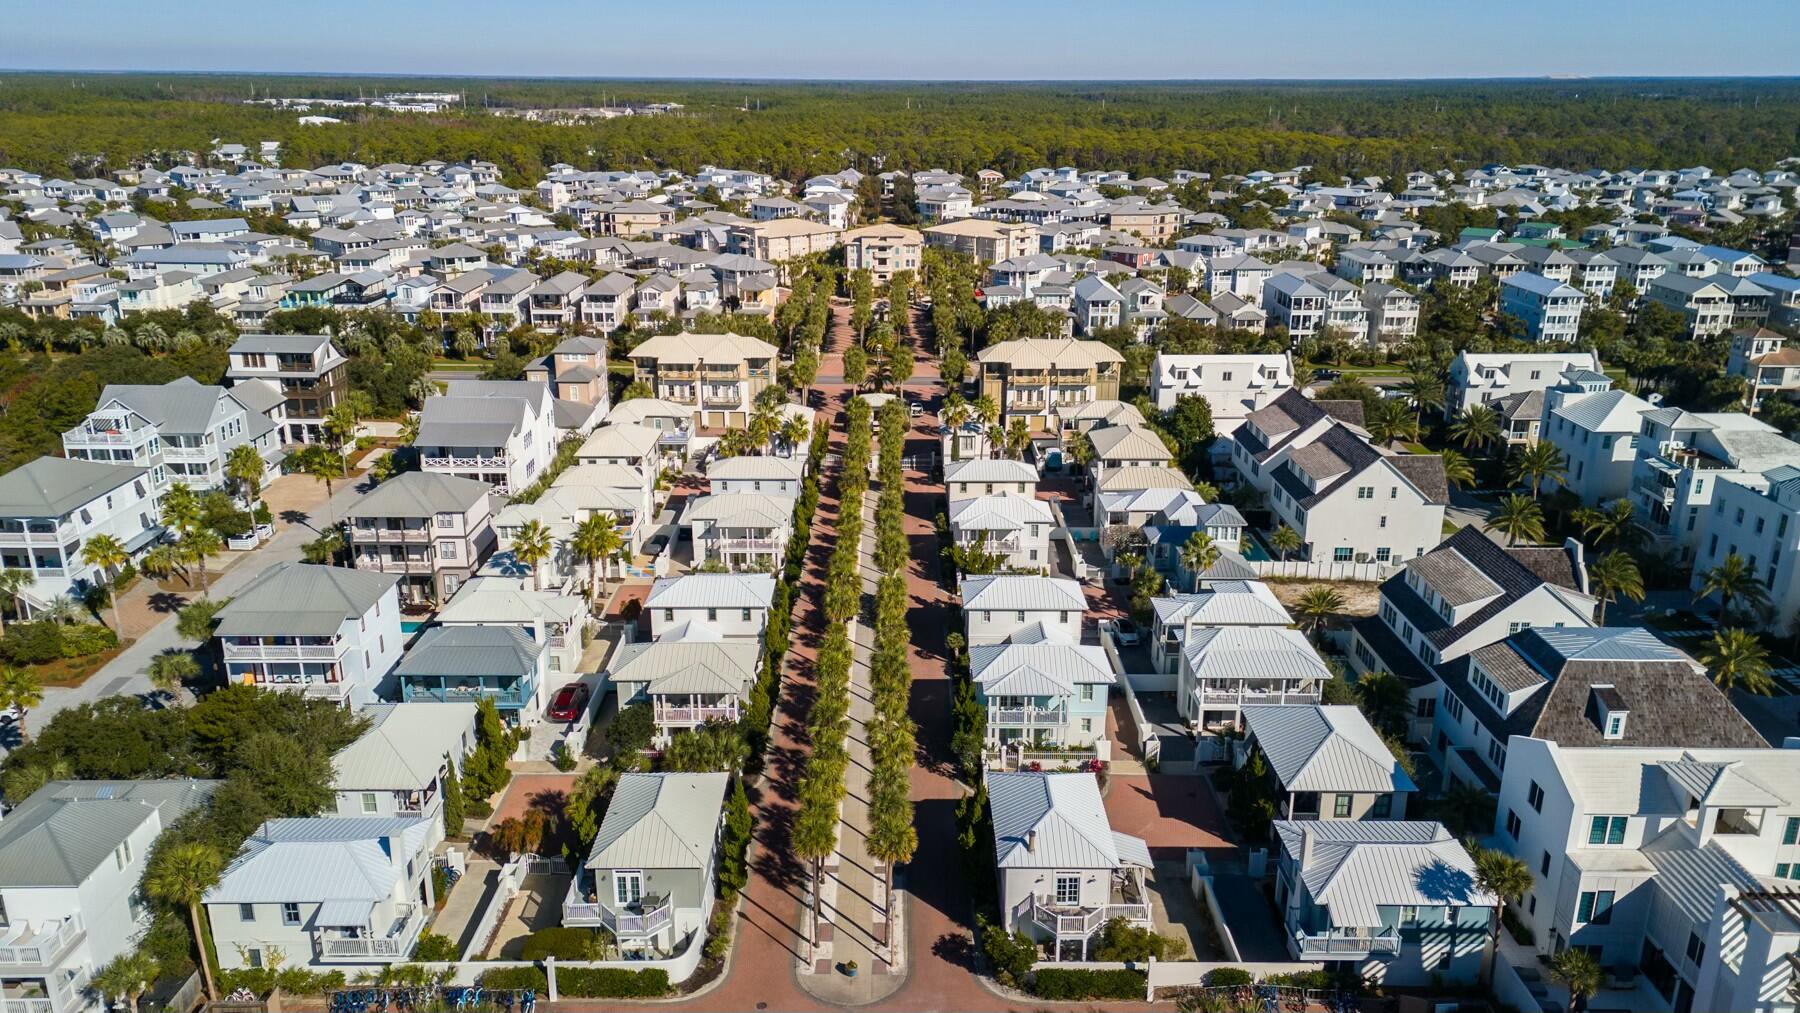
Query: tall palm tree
point(244, 466)
point(13, 582)
point(1198, 555)
point(1518, 517)
point(1733, 581)
point(171, 669)
point(596, 539)
point(1737, 660)
point(317, 460)
point(1383, 700)
point(1458, 472)
point(531, 546)
point(20, 691)
point(1319, 604)
point(1615, 575)
point(954, 418)
point(195, 547)
point(1614, 524)
point(1478, 426)
point(181, 509)
point(1390, 420)
point(1425, 389)
point(987, 410)
point(1285, 540)
point(1577, 971)
point(1504, 876)
point(1534, 464)
point(107, 554)
point(795, 433)
point(181, 875)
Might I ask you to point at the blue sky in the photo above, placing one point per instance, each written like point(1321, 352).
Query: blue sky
point(910, 39)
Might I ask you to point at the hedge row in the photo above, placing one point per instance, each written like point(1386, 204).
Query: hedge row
point(1066, 984)
point(584, 982)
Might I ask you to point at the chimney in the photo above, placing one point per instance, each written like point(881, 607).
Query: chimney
point(1031, 840)
point(1577, 556)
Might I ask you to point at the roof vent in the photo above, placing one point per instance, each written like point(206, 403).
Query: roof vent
point(1031, 840)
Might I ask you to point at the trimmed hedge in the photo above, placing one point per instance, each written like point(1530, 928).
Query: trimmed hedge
point(516, 978)
point(1227, 977)
point(583, 982)
point(1067, 984)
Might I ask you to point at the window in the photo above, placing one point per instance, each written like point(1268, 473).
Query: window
point(1426, 708)
point(1606, 830)
point(1382, 807)
point(1384, 554)
point(1512, 628)
point(1595, 908)
point(253, 957)
point(1696, 948)
point(1340, 807)
point(1365, 492)
point(1534, 796)
point(745, 617)
point(122, 854)
point(446, 550)
point(668, 615)
point(1068, 888)
point(369, 805)
point(246, 912)
point(628, 886)
point(290, 914)
point(1544, 865)
point(1791, 832)
point(1513, 825)
point(1341, 554)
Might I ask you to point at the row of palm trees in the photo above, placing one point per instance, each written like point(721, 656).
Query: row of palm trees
point(766, 428)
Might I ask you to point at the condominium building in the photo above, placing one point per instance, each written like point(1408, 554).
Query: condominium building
point(718, 376)
point(310, 371)
point(883, 250)
point(1037, 379)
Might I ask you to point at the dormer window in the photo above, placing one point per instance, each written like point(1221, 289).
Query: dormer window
point(1607, 709)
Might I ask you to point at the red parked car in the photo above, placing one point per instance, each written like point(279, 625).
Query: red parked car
point(569, 702)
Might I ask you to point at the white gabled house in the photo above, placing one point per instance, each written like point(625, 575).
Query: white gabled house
point(1012, 526)
point(999, 606)
point(734, 604)
point(329, 632)
point(689, 677)
point(398, 767)
point(1326, 763)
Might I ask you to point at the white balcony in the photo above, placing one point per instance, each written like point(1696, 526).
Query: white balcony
point(652, 914)
point(1346, 944)
point(1072, 921)
point(235, 651)
point(696, 715)
point(446, 461)
point(39, 944)
point(190, 454)
point(396, 944)
point(1026, 716)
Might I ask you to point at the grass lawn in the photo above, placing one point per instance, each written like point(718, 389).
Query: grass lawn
point(458, 365)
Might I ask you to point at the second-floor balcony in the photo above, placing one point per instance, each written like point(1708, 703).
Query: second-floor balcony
point(1026, 715)
point(644, 917)
point(1346, 944)
point(452, 461)
point(722, 396)
point(507, 694)
point(280, 649)
point(387, 533)
point(39, 944)
point(175, 452)
point(681, 715)
point(381, 562)
point(1077, 921)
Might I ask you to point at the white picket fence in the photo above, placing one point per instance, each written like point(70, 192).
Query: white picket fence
point(1324, 569)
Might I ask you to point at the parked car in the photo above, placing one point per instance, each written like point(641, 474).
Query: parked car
point(1126, 632)
point(915, 409)
point(1327, 374)
point(655, 546)
point(569, 702)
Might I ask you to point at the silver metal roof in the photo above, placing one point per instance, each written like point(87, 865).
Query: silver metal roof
point(660, 821)
point(1326, 749)
point(301, 600)
point(53, 486)
point(1044, 820)
point(66, 830)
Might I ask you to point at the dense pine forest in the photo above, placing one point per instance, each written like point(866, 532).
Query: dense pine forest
point(87, 124)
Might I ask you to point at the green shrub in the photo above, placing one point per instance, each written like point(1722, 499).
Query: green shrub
point(84, 639)
point(292, 980)
point(1229, 977)
point(433, 947)
point(517, 978)
point(612, 983)
point(1010, 954)
point(1064, 984)
point(1121, 940)
point(32, 643)
point(561, 942)
point(1304, 979)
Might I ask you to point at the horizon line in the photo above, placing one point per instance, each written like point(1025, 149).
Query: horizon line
point(1526, 79)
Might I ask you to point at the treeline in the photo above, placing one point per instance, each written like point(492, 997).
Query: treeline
point(67, 124)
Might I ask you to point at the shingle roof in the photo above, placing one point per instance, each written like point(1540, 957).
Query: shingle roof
point(299, 599)
point(660, 821)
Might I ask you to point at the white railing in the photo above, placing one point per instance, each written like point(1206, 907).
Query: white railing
point(171, 453)
point(372, 533)
point(448, 461)
point(1025, 715)
point(388, 563)
point(118, 438)
point(51, 941)
point(744, 544)
point(280, 652)
point(577, 912)
point(625, 924)
point(1342, 943)
point(12, 1005)
point(1067, 921)
point(695, 715)
point(397, 944)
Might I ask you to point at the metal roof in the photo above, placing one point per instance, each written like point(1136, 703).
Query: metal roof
point(1044, 668)
point(405, 746)
point(1224, 603)
point(1355, 868)
point(302, 600)
point(420, 494)
point(687, 665)
point(53, 486)
point(712, 590)
point(999, 512)
point(1019, 593)
point(1044, 820)
point(472, 650)
point(66, 830)
point(332, 858)
point(988, 469)
point(1312, 747)
point(756, 467)
point(660, 821)
point(741, 509)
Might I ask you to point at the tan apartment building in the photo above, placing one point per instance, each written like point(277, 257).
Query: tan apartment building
point(717, 375)
point(1039, 379)
point(882, 250)
point(782, 239)
point(1155, 224)
point(987, 241)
